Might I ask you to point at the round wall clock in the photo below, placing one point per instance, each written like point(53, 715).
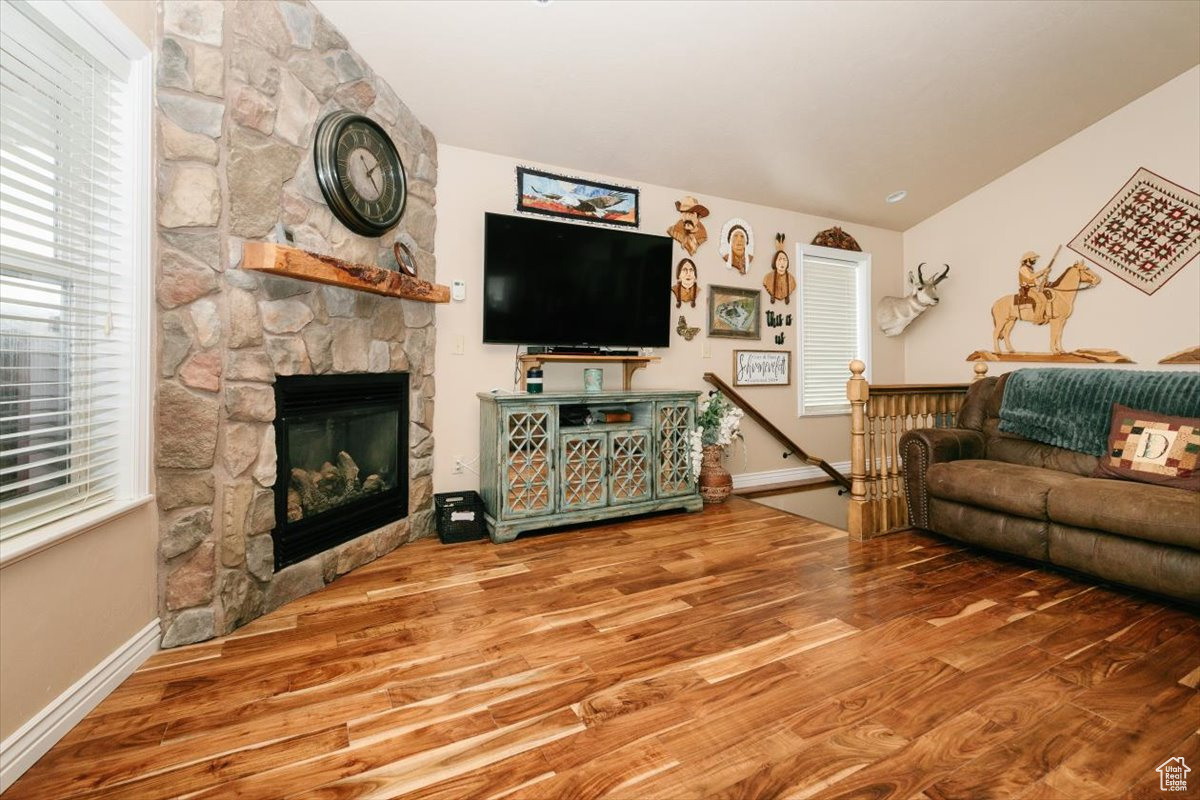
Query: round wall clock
point(359, 172)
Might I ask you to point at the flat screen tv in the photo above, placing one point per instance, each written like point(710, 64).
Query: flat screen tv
point(562, 284)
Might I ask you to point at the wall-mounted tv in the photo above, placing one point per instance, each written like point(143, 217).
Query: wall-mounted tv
point(564, 284)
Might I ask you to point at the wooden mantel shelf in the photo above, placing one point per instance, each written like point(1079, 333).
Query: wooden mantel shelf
point(278, 259)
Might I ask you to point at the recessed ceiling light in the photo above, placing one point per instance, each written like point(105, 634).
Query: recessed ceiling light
point(896, 197)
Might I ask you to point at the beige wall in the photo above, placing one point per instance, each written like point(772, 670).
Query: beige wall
point(1044, 203)
point(138, 16)
point(67, 608)
point(471, 183)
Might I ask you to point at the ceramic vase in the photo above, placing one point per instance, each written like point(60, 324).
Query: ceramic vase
point(715, 481)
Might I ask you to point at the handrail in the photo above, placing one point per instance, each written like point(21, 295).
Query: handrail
point(779, 435)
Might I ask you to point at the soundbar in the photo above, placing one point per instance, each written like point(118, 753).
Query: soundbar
point(559, 350)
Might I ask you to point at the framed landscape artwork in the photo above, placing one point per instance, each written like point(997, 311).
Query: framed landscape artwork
point(762, 368)
point(574, 198)
point(734, 312)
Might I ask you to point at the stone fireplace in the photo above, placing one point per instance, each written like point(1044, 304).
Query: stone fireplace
point(342, 444)
point(241, 87)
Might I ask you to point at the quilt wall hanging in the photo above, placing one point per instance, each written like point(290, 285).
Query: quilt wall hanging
point(1147, 232)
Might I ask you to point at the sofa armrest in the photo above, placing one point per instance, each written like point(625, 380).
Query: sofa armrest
point(925, 446)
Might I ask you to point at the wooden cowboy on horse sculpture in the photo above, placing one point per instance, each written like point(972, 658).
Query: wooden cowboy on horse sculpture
point(1031, 285)
point(1052, 304)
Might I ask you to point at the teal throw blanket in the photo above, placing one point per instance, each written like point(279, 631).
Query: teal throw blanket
point(1072, 408)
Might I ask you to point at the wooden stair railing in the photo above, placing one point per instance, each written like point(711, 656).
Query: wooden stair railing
point(780, 436)
point(879, 416)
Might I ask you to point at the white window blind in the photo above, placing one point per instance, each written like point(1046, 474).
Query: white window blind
point(834, 292)
point(67, 321)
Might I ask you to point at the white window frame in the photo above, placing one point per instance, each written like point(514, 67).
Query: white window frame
point(98, 30)
point(861, 263)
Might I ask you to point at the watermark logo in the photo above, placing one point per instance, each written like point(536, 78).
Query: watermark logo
point(1172, 774)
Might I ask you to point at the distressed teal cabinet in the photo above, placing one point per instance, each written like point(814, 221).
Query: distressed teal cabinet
point(540, 468)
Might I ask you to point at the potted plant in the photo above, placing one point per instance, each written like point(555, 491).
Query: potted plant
point(718, 423)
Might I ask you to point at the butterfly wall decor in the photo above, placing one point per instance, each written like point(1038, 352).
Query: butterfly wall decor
point(683, 330)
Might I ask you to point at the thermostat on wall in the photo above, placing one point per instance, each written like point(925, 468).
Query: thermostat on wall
point(458, 290)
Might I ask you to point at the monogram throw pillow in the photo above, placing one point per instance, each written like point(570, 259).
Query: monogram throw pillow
point(1152, 448)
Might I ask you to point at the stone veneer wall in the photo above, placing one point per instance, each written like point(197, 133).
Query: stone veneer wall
point(240, 89)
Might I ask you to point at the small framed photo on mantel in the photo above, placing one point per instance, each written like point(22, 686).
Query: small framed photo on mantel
point(762, 368)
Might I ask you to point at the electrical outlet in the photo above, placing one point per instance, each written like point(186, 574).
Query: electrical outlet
point(458, 465)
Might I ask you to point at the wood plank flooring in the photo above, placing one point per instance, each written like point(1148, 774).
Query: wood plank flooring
point(738, 653)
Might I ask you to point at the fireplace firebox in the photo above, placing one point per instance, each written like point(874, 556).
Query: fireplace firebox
point(342, 443)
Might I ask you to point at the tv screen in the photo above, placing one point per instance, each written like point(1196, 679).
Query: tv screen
point(555, 283)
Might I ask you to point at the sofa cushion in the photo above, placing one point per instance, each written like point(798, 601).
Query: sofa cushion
point(995, 485)
point(1170, 571)
point(992, 529)
point(1137, 510)
point(1015, 450)
point(974, 408)
point(1152, 448)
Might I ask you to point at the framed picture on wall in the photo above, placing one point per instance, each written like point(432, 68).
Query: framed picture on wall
point(762, 368)
point(734, 312)
point(574, 198)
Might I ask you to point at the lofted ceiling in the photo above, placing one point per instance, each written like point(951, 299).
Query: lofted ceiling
point(818, 107)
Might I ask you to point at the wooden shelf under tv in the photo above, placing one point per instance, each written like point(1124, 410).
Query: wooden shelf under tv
point(631, 363)
point(278, 259)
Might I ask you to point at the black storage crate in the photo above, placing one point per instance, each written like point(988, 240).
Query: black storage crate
point(459, 516)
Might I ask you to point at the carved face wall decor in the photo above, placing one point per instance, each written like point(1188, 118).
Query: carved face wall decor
point(779, 282)
point(686, 288)
point(689, 230)
point(737, 244)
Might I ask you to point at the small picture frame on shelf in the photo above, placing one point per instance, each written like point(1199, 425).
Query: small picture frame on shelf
point(734, 312)
point(762, 368)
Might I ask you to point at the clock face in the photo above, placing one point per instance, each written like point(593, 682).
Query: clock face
point(359, 172)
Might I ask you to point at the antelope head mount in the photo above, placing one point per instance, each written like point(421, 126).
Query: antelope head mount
point(894, 314)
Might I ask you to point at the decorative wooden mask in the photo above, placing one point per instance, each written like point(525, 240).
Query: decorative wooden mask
point(689, 230)
point(686, 288)
point(737, 244)
point(779, 282)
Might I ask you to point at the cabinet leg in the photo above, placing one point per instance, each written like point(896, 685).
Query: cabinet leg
point(502, 534)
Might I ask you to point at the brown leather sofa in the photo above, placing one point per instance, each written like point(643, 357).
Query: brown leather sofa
point(986, 487)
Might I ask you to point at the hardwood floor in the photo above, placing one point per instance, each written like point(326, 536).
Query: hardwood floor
point(738, 653)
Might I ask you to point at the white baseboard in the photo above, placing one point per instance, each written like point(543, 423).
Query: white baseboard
point(775, 476)
point(32, 740)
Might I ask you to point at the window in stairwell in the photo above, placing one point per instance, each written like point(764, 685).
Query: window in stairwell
point(834, 290)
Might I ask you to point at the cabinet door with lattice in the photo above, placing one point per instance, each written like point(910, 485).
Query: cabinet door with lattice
point(629, 466)
point(583, 473)
point(673, 424)
point(527, 450)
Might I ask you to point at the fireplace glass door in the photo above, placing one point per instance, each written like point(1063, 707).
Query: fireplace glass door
point(343, 452)
point(339, 458)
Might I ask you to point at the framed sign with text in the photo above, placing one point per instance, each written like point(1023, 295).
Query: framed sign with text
point(762, 368)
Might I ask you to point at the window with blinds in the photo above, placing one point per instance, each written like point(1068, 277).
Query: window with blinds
point(67, 321)
point(833, 328)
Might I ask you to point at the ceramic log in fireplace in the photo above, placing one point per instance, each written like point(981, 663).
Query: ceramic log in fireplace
point(342, 442)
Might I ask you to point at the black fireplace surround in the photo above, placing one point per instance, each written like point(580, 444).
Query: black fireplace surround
point(342, 444)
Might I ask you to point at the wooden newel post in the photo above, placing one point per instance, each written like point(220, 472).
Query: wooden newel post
point(980, 371)
point(860, 522)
